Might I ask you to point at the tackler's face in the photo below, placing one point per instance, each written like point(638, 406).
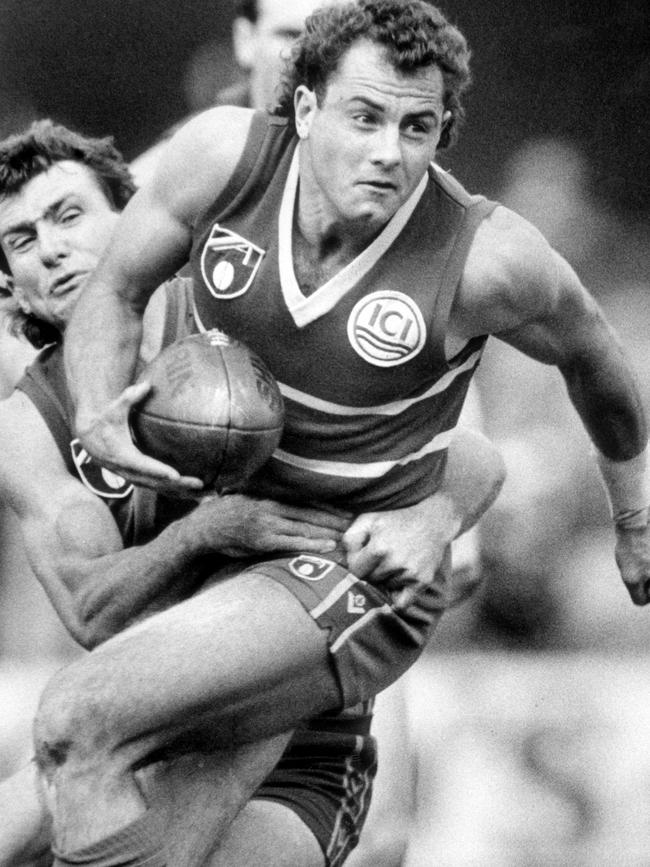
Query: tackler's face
point(369, 143)
point(53, 232)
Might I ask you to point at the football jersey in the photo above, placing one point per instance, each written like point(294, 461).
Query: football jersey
point(371, 400)
point(138, 512)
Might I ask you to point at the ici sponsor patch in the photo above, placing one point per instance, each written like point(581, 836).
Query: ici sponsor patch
point(386, 328)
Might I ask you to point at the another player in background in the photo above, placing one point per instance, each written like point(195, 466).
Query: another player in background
point(262, 34)
point(109, 555)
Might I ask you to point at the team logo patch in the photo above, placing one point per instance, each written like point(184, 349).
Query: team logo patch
point(102, 482)
point(386, 328)
point(356, 603)
point(229, 263)
point(310, 568)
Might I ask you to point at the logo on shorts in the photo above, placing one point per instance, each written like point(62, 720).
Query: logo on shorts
point(356, 603)
point(102, 482)
point(229, 263)
point(386, 328)
point(310, 568)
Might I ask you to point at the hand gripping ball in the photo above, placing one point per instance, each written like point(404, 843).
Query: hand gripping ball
point(215, 411)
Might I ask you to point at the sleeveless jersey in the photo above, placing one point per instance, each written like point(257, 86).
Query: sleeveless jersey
point(371, 401)
point(138, 512)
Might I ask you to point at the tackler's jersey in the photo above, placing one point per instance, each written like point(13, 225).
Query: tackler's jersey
point(139, 513)
point(371, 401)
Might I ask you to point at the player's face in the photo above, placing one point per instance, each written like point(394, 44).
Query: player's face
point(278, 24)
point(53, 232)
point(369, 143)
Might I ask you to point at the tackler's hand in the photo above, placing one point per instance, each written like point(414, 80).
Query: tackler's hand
point(403, 548)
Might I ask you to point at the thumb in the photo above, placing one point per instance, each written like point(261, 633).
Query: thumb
point(136, 393)
point(357, 535)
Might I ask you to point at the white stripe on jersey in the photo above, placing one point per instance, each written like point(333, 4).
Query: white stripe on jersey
point(393, 408)
point(306, 309)
point(366, 470)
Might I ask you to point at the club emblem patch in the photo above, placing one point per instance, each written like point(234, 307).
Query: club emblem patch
point(310, 568)
point(229, 263)
point(386, 328)
point(102, 482)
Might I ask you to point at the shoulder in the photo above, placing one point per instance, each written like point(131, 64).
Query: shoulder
point(512, 274)
point(196, 164)
point(29, 457)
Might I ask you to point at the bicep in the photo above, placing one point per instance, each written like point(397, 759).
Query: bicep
point(64, 526)
point(561, 323)
point(154, 233)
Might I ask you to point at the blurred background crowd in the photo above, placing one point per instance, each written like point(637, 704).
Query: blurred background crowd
point(526, 716)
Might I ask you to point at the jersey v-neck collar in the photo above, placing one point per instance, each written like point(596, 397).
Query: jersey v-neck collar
point(304, 309)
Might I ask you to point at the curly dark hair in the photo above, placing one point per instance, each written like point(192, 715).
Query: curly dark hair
point(25, 155)
point(414, 33)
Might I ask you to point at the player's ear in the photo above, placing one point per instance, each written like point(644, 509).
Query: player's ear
point(243, 42)
point(304, 101)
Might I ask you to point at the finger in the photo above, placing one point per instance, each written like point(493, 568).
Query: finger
point(307, 545)
point(309, 531)
point(363, 563)
point(356, 537)
point(288, 544)
point(184, 487)
point(407, 596)
point(136, 393)
point(318, 519)
point(151, 473)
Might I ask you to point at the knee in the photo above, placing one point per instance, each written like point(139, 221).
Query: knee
point(69, 727)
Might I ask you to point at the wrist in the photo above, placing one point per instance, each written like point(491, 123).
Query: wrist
point(627, 486)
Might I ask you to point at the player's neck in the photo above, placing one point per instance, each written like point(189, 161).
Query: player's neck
point(329, 238)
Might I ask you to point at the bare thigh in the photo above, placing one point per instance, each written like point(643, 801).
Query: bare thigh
point(239, 662)
point(267, 834)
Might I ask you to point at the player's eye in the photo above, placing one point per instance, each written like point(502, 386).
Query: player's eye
point(364, 118)
point(69, 215)
point(417, 128)
point(19, 243)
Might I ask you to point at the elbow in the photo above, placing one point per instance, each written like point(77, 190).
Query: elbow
point(494, 479)
point(92, 626)
point(80, 632)
point(88, 634)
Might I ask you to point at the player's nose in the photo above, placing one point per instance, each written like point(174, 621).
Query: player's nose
point(386, 146)
point(52, 246)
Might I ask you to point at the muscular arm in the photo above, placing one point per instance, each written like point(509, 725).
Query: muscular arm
point(517, 288)
point(151, 241)
point(75, 549)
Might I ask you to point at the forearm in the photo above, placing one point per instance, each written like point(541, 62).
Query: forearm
point(603, 391)
point(101, 349)
point(115, 590)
